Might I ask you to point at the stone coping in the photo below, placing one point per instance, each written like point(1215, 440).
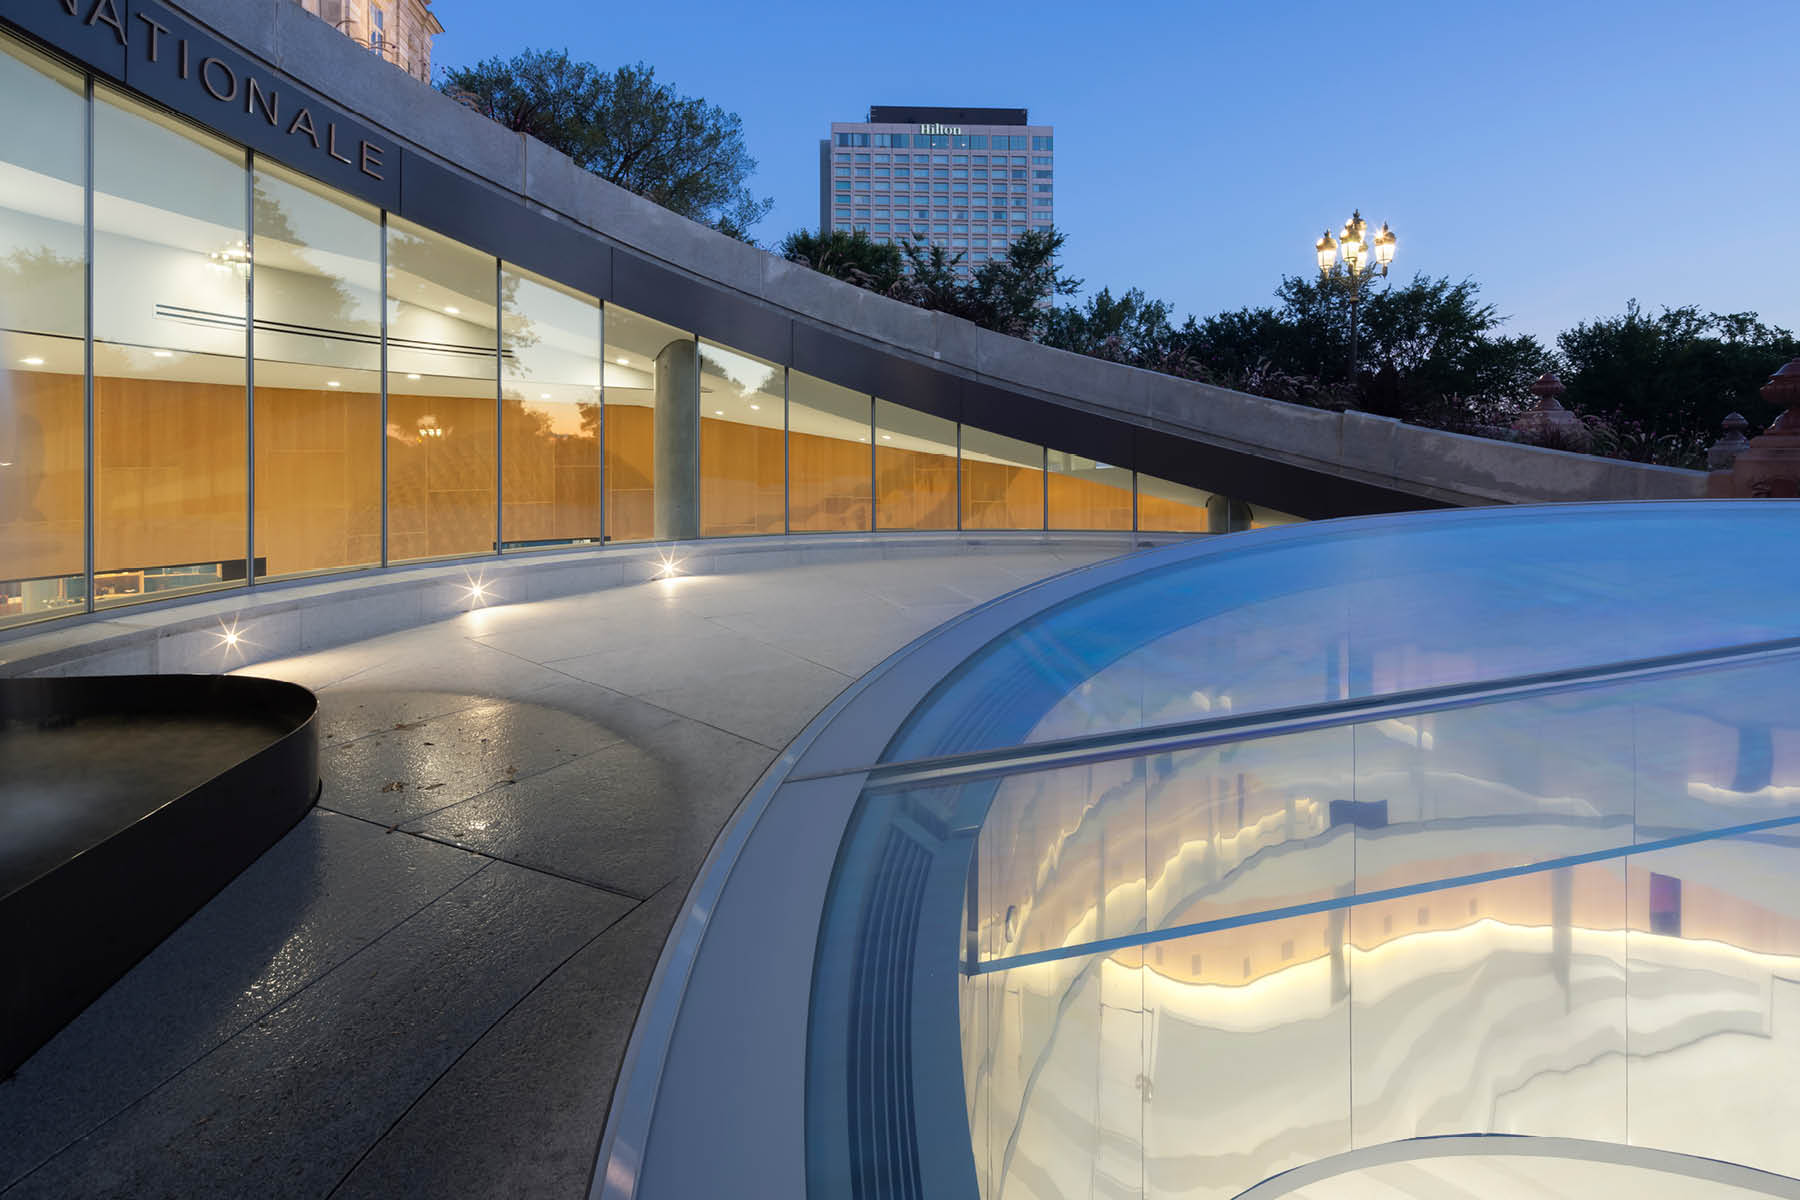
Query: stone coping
point(273, 620)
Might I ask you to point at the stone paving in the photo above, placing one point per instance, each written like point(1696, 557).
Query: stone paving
point(426, 987)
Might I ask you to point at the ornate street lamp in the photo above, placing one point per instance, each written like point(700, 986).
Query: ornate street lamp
point(1363, 259)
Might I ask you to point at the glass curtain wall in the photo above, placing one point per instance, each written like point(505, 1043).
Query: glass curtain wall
point(1086, 494)
point(1168, 507)
point(549, 412)
point(171, 289)
point(830, 487)
point(1002, 481)
point(442, 395)
point(915, 469)
point(317, 342)
point(651, 393)
point(236, 336)
point(43, 321)
point(743, 471)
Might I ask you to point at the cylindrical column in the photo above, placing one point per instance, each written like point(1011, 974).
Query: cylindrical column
point(678, 441)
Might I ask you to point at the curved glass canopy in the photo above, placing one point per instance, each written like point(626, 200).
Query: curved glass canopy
point(1330, 839)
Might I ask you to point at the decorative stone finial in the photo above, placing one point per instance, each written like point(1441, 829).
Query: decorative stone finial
point(1722, 453)
point(1548, 389)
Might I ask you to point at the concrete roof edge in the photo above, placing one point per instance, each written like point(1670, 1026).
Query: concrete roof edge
point(1437, 464)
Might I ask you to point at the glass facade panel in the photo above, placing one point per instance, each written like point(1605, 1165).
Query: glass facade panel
point(171, 289)
point(1002, 482)
point(1715, 999)
point(652, 423)
point(549, 412)
point(317, 342)
point(442, 395)
point(1493, 1008)
point(1246, 1054)
point(743, 475)
point(43, 321)
point(829, 460)
point(1085, 494)
point(915, 469)
point(1166, 507)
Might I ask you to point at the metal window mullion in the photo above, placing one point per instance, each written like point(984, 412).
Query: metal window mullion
point(250, 368)
point(959, 475)
point(874, 499)
point(87, 353)
point(499, 415)
point(787, 483)
point(1044, 453)
point(384, 387)
point(600, 423)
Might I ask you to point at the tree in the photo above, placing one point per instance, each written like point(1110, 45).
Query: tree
point(679, 151)
point(1680, 370)
point(1431, 352)
point(852, 257)
point(1013, 294)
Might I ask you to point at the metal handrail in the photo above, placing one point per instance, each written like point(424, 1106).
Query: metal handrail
point(1213, 731)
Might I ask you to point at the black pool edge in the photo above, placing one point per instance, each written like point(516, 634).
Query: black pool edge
point(69, 934)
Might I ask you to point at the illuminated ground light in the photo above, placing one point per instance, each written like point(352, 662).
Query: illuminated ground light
point(667, 567)
point(231, 637)
point(479, 592)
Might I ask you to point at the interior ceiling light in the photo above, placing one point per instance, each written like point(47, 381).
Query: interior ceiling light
point(333, 383)
point(621, 361)
point(412, 374)
point(33, 361)
point(162, 354)
point(452, 310)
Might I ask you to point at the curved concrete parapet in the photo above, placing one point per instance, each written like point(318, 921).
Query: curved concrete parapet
point(126, 802)
point(683, 272)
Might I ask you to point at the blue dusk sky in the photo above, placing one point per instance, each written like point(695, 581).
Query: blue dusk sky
point(1567, 156)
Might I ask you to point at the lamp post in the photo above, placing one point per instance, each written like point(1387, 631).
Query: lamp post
point(1363, 257)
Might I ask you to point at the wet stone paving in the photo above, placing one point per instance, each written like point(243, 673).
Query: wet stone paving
point(427, 986)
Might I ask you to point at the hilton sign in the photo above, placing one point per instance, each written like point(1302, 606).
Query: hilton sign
point(169, 59)
point(950, 129)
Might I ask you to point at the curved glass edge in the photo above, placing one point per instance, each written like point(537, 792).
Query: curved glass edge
point(1364, 607)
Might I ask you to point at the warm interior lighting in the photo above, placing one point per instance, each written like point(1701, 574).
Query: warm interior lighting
point(162, 354)
point(333, 383)
point(621, 361)
point(33, 361)
point(756, 408)
point(452, 310)
point(412, 374)
point(543, 395)
point(718, 412)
